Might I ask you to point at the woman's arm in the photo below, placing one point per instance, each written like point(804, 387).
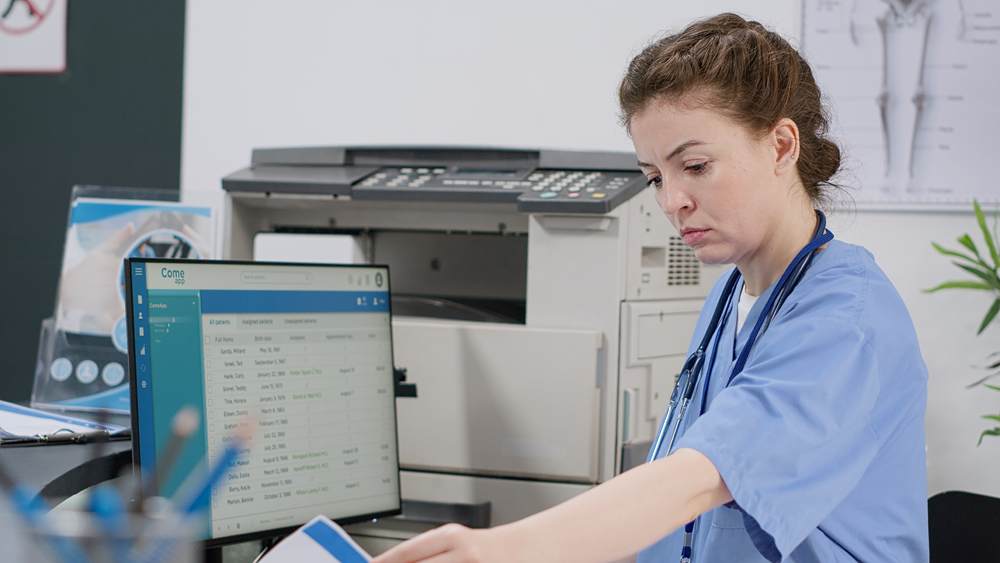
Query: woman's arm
point(611, 521)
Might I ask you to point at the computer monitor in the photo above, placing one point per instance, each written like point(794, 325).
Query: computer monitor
point(302, 352)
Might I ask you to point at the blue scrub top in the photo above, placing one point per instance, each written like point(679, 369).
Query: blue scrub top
point(821, 438)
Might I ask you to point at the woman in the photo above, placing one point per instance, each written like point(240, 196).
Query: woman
point(813, 450)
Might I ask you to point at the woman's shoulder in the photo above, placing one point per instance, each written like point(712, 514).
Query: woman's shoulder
point(850, 263)
point(846, 282)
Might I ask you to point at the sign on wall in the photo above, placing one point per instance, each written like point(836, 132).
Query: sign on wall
point(32, 36)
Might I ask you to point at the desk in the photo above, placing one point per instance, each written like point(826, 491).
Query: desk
point(60, 471)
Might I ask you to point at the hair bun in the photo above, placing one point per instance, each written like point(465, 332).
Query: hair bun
point(829, 160)
point(745, 72)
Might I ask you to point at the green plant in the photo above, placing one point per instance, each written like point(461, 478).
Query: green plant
point(988, 279)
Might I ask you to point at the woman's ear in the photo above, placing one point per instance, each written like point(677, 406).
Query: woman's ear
point(786, 143)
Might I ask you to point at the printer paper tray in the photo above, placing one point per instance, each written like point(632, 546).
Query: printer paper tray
point(499, 399)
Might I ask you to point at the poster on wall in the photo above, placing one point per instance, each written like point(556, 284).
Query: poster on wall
point(32, 36)
point(913, 86)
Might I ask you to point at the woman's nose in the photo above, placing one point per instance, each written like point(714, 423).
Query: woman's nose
point(672, 199)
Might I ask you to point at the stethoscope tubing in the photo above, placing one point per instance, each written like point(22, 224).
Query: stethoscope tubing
point(687, 382)
point(684, 388)
point(683, 391)
point(781, 292)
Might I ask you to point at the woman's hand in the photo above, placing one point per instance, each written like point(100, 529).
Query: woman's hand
point(451, 543)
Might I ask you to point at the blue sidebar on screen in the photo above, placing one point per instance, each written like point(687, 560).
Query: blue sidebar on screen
point(175, 353)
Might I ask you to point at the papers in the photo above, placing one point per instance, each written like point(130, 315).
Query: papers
point(321, 540)
point(23, 425)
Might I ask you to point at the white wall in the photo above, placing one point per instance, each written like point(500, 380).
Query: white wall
point(518, 73)
point(946, 324)
point(532, 74)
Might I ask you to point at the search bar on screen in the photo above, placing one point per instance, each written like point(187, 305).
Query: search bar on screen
point(265, 277)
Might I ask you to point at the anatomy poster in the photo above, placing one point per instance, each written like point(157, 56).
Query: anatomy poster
point(914, 86)
point(32, 36)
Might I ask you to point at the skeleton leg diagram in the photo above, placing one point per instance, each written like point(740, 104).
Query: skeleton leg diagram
point(903, 14)
point(904, 33)
point(911, 84)
point(904, 29)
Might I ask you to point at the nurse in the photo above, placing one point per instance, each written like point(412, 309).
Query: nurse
point(814, 450)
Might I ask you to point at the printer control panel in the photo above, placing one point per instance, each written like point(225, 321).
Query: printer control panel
point(534, 190)
point(581, 191)
point(536, 181)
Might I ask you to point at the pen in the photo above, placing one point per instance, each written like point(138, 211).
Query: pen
point(75, 437)
point(183, 424)
point(58, 438)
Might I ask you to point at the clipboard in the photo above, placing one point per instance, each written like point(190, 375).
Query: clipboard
point(23, 426)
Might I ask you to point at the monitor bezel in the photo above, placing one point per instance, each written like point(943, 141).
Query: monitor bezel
point(134, 397)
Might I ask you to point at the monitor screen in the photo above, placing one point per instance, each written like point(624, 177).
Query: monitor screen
point(301, 354)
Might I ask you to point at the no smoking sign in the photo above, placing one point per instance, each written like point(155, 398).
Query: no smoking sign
point(32, 36)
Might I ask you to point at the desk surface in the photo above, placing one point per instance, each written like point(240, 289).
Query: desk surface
point(60, 471)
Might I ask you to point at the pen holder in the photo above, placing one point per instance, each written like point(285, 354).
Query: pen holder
point(82, 537)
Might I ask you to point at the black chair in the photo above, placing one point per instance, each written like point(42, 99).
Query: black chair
point(964, 527)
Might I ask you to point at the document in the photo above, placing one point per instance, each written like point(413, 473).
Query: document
point(321, 540)
point(20, 425)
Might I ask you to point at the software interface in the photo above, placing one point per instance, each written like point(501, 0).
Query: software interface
point(302, 355)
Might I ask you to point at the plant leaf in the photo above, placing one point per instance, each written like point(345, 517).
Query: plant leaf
point(994, 432)
point(993, 387)
point(988, 276)
point(947, 252)
point(989, 316)
point(983, 380)
point(966, 241)
point(981, 219)
point(991, 417)
point(961, 285)
point(995, 218)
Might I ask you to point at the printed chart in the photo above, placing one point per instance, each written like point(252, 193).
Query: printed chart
point(913, 86)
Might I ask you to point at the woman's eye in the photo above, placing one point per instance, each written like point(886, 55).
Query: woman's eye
point(696, 168)
point(655, 182)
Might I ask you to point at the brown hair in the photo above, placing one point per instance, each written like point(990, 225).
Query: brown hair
point(745, 72)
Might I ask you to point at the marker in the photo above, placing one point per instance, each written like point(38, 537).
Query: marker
point(185, 422)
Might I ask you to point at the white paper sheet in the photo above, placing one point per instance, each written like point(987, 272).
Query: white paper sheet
point(321, 540)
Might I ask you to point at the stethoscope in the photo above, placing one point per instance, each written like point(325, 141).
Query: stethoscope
point(687, 382)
